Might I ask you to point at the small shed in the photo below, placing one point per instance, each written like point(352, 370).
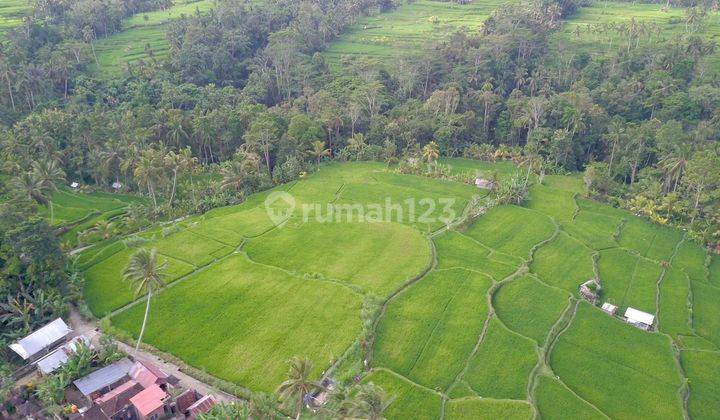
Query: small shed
point(639, 318)
point(74, 185)
point(203, 405)
point(41, 341)
point(59, 356)
point(484, 184)
point(117, 186)
point(106, 378)
point(609, 308)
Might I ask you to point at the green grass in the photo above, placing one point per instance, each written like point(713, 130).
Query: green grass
point(624, 371)
point(556, 203)
point(428, 332)
point(565, 263)
point(407, 28)
point(555, 401)
point(457, 250)
point(475, 408)
point(191, 248)
point(142, 33)
point(241, 322)
point(650, 240)
point(409, 400)
point(628, 280)
point(471, 168)
point(512, 230)
point(12, 13)
point(706, 316)
point(674, 316)
point(105, 290)
point(691, 258)
point(529, 307)
point(714, 269)
point(501, 367)
point(702, 370)
point(70, 206)
point(377, 257)
point(604, 42)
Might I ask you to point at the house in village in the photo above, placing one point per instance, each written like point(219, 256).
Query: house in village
point(640, 319)
point(139, 390)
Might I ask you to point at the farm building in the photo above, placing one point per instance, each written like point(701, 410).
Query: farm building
point(151, 403)
point(485, 184)
point(609, 308)
point(639, 318)
point(74, 185)
point(589, 290)
point(42, 341)
point(60, 355)
point(203, 405)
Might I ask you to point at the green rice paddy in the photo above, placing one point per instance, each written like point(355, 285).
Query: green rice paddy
point(386, 36)
point(12, 13)
point(479, 321)
point(143, 36)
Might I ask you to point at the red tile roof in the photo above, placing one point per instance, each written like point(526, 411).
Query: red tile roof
point(149, 400)
point(116, 399)
point(146, 374)
point(185, 400)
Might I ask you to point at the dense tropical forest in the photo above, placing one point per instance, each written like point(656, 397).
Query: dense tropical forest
point(234, 97)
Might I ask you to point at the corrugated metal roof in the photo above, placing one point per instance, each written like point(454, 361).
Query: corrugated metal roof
point(635, 315)
point(203, 405)
point(59, 356)
point(104, 377)
point(149, 400)
point(41, 339)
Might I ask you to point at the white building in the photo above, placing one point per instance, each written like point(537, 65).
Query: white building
point(41, 341)
point(639, 318)
point(59, 356)
point(609, 308)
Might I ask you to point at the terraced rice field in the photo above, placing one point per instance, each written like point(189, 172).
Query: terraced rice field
point(12, 13)
point(581, 33)
point(389, 35)
point(479, 320)
point(142, 35)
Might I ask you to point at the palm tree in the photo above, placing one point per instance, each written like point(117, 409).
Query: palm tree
point(318, 151)
point(30, 186)
point(370, 402)
point(49, 173)
point(674, 163)
point(430, 152)
point(233, 176)
point(298, 384)
point(145, 273)
point(104, 228)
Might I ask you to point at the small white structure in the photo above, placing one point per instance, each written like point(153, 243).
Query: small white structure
point(484, 184)
point(74, 185)
point(42, 340)
point(609, 308)
point(116, 185)
point(639, 318)
point(59, 356)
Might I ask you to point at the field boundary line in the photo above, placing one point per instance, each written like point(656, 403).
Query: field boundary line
point(435, 327)
point(408, 380)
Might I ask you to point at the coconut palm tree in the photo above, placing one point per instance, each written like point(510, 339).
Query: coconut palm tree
point(145, 273)
point(31, 187)
point(49, 173)
point(234, 176)
point(318, 151)
point(430, 152)
point(298, 384)
point(370, 402)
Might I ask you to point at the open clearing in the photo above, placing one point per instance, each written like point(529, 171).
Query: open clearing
point(12, 13)
point(409, 27)
point(247, 292)
point(583, 33)
point(142, 35)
